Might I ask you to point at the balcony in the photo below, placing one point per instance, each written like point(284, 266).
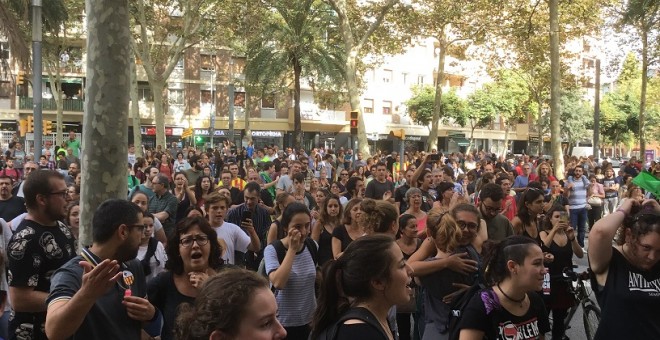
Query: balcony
point(76, 105)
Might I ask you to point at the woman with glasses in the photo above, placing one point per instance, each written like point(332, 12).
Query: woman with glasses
point(193, 254)
point(449, 238)
point(626, 274)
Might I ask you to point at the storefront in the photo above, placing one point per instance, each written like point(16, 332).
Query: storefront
point(172, 134)
point(262, 138)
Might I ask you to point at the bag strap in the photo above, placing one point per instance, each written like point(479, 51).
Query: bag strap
point(280, 250)
point(313, 249)
point(358, 313)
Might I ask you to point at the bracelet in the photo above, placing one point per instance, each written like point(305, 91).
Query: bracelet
point(625, 214)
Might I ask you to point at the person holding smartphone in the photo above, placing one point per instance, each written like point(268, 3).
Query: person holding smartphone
point(558, 238)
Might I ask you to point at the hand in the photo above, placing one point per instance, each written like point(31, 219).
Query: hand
point(197, 279)
point(247, 226)
point(570, 233)
point(548, 257)
point(387, 195)
point(295, 240)
point(449, 297)
point(139, 308)
point(315, 214)
point(97, 280)
point(507, 205)
point(460, 264)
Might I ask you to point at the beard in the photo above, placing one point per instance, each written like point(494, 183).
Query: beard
point(54, 214)
point(126, 251)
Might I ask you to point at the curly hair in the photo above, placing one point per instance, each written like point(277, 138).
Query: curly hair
point(174, 262)
point(377, 216)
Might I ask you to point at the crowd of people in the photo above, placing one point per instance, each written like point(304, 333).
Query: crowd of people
point(327, 244)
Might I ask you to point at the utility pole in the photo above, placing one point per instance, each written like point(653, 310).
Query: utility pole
point(36, 78)
point(212, 115)
point(596, 150)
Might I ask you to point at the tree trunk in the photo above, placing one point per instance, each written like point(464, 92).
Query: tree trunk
point(135, 109)
point(540, 113)
point(157, 87)
point(642, 101)
point(105, 135)
point(555, 109)
point(56, 91)
point(437, 104)
point(248, 101)
point(506, 141)
point(297, 124)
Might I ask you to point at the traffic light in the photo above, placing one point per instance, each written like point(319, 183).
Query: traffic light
point(22, 127)
point(30, 124)
point(354, 122)
point(20, 78)
point(399, 133)
point(48, 127)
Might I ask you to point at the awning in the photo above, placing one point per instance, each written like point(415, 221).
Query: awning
point(460, 141)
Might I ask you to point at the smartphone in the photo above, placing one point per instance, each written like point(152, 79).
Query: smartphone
point(563, 216)
point(434, 157)
point(247, 215)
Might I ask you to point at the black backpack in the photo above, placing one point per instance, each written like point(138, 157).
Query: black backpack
point(281, 253)
point(151, 251)
point(457, 307)
point(358, 313)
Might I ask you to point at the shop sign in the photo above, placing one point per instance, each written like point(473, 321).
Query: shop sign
point(414, 138)
point(169, 131)
point(270, 134)
point(205, 132)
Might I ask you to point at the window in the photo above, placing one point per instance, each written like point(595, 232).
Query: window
point(368, 106)
point(420, 80)
point(404, 77)
point(175, 97)
point(206, 97)
point(387, 107)
point(144, 92)
point(268, 101)
point(239, 99)
point(387, 76)
point(207, 62)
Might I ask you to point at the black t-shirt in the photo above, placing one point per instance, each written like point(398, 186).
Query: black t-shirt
point(400, 196)
point(164, 296)
point(376, 189)
point(11, 208)
point(500, 324)
point(341, 234)
point(35, 252)
point(630, 301)
point(107, 319)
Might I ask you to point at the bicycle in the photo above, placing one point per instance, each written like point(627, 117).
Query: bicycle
point(590, 309)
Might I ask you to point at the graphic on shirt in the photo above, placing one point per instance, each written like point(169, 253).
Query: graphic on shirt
point(24, 331)
point(17, 248)
point(50, 246)
point(33, 280)
point(128, 277)
point(526, 330)
point(36, 261)
point(637, 283)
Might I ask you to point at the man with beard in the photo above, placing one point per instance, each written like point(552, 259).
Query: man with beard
point(147, 186)
point(196, 169)
point(259, 217)
point(164, 204)
point(10, 205)
point(101, 294)
point(490, 207)
point(40, 245)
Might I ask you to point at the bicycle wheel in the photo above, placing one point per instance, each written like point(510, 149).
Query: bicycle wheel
point(591, 319)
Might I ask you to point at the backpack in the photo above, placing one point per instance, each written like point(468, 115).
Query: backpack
point(358, 313)
point(281, 253)
point(151, 251)
point(458, 305)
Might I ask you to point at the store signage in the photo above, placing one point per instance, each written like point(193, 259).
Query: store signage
point(205, 132)
point(266, 133)
point(169, 131)
point(414, 138)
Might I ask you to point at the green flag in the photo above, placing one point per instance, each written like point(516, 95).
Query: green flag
point(648, 182)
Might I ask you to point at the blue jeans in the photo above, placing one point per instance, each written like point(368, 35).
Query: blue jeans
point(578, 222)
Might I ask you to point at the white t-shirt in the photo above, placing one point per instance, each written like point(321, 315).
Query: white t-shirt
point(156, 266)
point(235, 239)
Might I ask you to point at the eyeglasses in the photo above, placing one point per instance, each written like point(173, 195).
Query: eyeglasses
point(30, 169)
point(140, 227)
point(491, 209)
point(469, 225)
point(64, 193)
point(200, 239)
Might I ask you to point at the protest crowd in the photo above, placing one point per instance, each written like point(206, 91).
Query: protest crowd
point(270, 243)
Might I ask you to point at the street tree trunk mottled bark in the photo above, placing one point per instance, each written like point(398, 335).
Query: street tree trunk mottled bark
point(437, 103)
point(135, 109)
point(105, 132)
point(555, 109)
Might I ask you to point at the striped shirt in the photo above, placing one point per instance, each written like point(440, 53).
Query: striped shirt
point(296, 302)
point(577, 199)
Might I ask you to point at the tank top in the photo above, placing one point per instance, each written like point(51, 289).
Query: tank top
point(630, 301)
point(325, 246)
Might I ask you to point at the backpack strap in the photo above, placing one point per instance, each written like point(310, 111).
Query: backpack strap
point(313, 249)
point(151, 251)
point(280, 250)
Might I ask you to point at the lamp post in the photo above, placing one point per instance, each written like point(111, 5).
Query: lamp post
point(230, 88)
point(212, 113)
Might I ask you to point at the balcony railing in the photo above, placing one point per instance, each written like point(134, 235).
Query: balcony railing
point(26, 103)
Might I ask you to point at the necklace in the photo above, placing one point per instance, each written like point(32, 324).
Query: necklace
point(519, 301)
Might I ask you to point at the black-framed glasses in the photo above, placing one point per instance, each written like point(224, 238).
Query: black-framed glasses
point(63, 193)
point(188, 241)
point(467, 225)
point(491, 209)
